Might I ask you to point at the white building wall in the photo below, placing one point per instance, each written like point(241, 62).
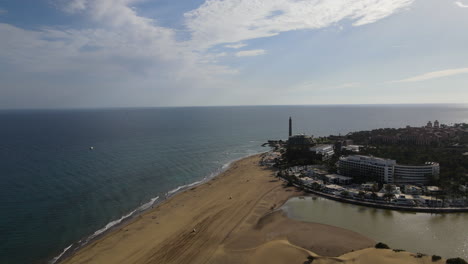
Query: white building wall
point(388, 171)
point(416, 174)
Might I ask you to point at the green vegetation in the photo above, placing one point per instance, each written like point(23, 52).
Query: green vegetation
point(361, 194)
point(310, 259)
point(456, 261)
point(453, 164)
point(436, 258)
point(448, 152)
point(382, 246)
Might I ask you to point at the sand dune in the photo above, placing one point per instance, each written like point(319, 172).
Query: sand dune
point(231, 219)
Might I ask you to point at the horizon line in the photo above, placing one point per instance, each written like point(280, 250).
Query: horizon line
point(207, 106)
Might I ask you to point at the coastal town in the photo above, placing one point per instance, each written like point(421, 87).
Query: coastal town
point(344, 168)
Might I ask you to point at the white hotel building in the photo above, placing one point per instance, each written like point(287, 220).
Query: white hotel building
point(386, 170)
point(404, 174)
point(358, 165)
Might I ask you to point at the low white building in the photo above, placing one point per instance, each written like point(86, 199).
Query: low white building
point(333, 188)
point(411, 189)
point(316, 172)
point(326, 151)
point(432, 190)
point(309, 181)
point(353, 148)
point(370, 186)
point(338, 179)
point(390, 188)
point(404, 201)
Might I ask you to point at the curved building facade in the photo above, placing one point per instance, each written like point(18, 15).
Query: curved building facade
point(386, 170)
point(422, 174)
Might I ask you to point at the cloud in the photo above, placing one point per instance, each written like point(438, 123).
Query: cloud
point(75, 6)
point(433, 75)
point(308, 86)
point(460, 4)
point(2, 11)
point(218, 22)
point(118, 55)
point(118, 52)
point(235, 46)
point(347, 85)
point(250, 53)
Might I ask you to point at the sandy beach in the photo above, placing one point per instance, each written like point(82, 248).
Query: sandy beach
point(233, 219)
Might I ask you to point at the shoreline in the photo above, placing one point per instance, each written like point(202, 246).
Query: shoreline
point(431, 210)
point(232, 218)
point(125, 219)
point(226, 213)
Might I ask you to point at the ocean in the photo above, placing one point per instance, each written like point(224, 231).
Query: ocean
point(55, 191)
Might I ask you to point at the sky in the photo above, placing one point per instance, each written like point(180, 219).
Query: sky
point(145, 53)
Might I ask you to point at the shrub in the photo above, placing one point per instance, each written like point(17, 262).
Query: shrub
point(310, 259)
point(381, 245)
point(435, 258)
point(456, 261)
point(398, 250)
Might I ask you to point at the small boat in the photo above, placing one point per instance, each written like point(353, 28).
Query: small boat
point(91, 148)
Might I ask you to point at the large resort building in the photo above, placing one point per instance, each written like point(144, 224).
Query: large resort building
point(358, 166)
point(404, 174)
point(386, 170)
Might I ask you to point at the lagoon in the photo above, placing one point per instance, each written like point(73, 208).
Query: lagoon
point(441, 234)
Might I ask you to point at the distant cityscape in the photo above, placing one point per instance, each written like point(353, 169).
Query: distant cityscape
point(336, 166)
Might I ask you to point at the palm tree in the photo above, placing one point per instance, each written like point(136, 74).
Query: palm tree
point(389, 196)
point(361, 194)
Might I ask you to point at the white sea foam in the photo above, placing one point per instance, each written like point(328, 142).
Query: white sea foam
point(61, 254)
point(109, 225)
point(118, 221)
point(147, 205)
point(183, 187)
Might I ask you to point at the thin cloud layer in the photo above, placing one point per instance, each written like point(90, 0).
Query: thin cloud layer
point(460, 4)
point(250, 53)
point(433, 75)
point(235, 46)
point(217, 21)
point(117, 48)
point(121, 38)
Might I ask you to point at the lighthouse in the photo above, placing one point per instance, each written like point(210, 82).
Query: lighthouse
point(290, 126)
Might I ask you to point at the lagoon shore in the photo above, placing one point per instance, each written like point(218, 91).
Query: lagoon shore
point(233, 218)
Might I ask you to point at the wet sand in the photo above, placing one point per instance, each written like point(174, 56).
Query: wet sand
point(233, 218)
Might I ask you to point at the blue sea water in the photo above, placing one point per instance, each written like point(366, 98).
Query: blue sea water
point(55, 191)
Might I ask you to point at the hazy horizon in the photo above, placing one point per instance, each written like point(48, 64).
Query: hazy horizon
point(214, 106)
point(156, 53)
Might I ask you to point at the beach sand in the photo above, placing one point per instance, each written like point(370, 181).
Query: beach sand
point(232, 219)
